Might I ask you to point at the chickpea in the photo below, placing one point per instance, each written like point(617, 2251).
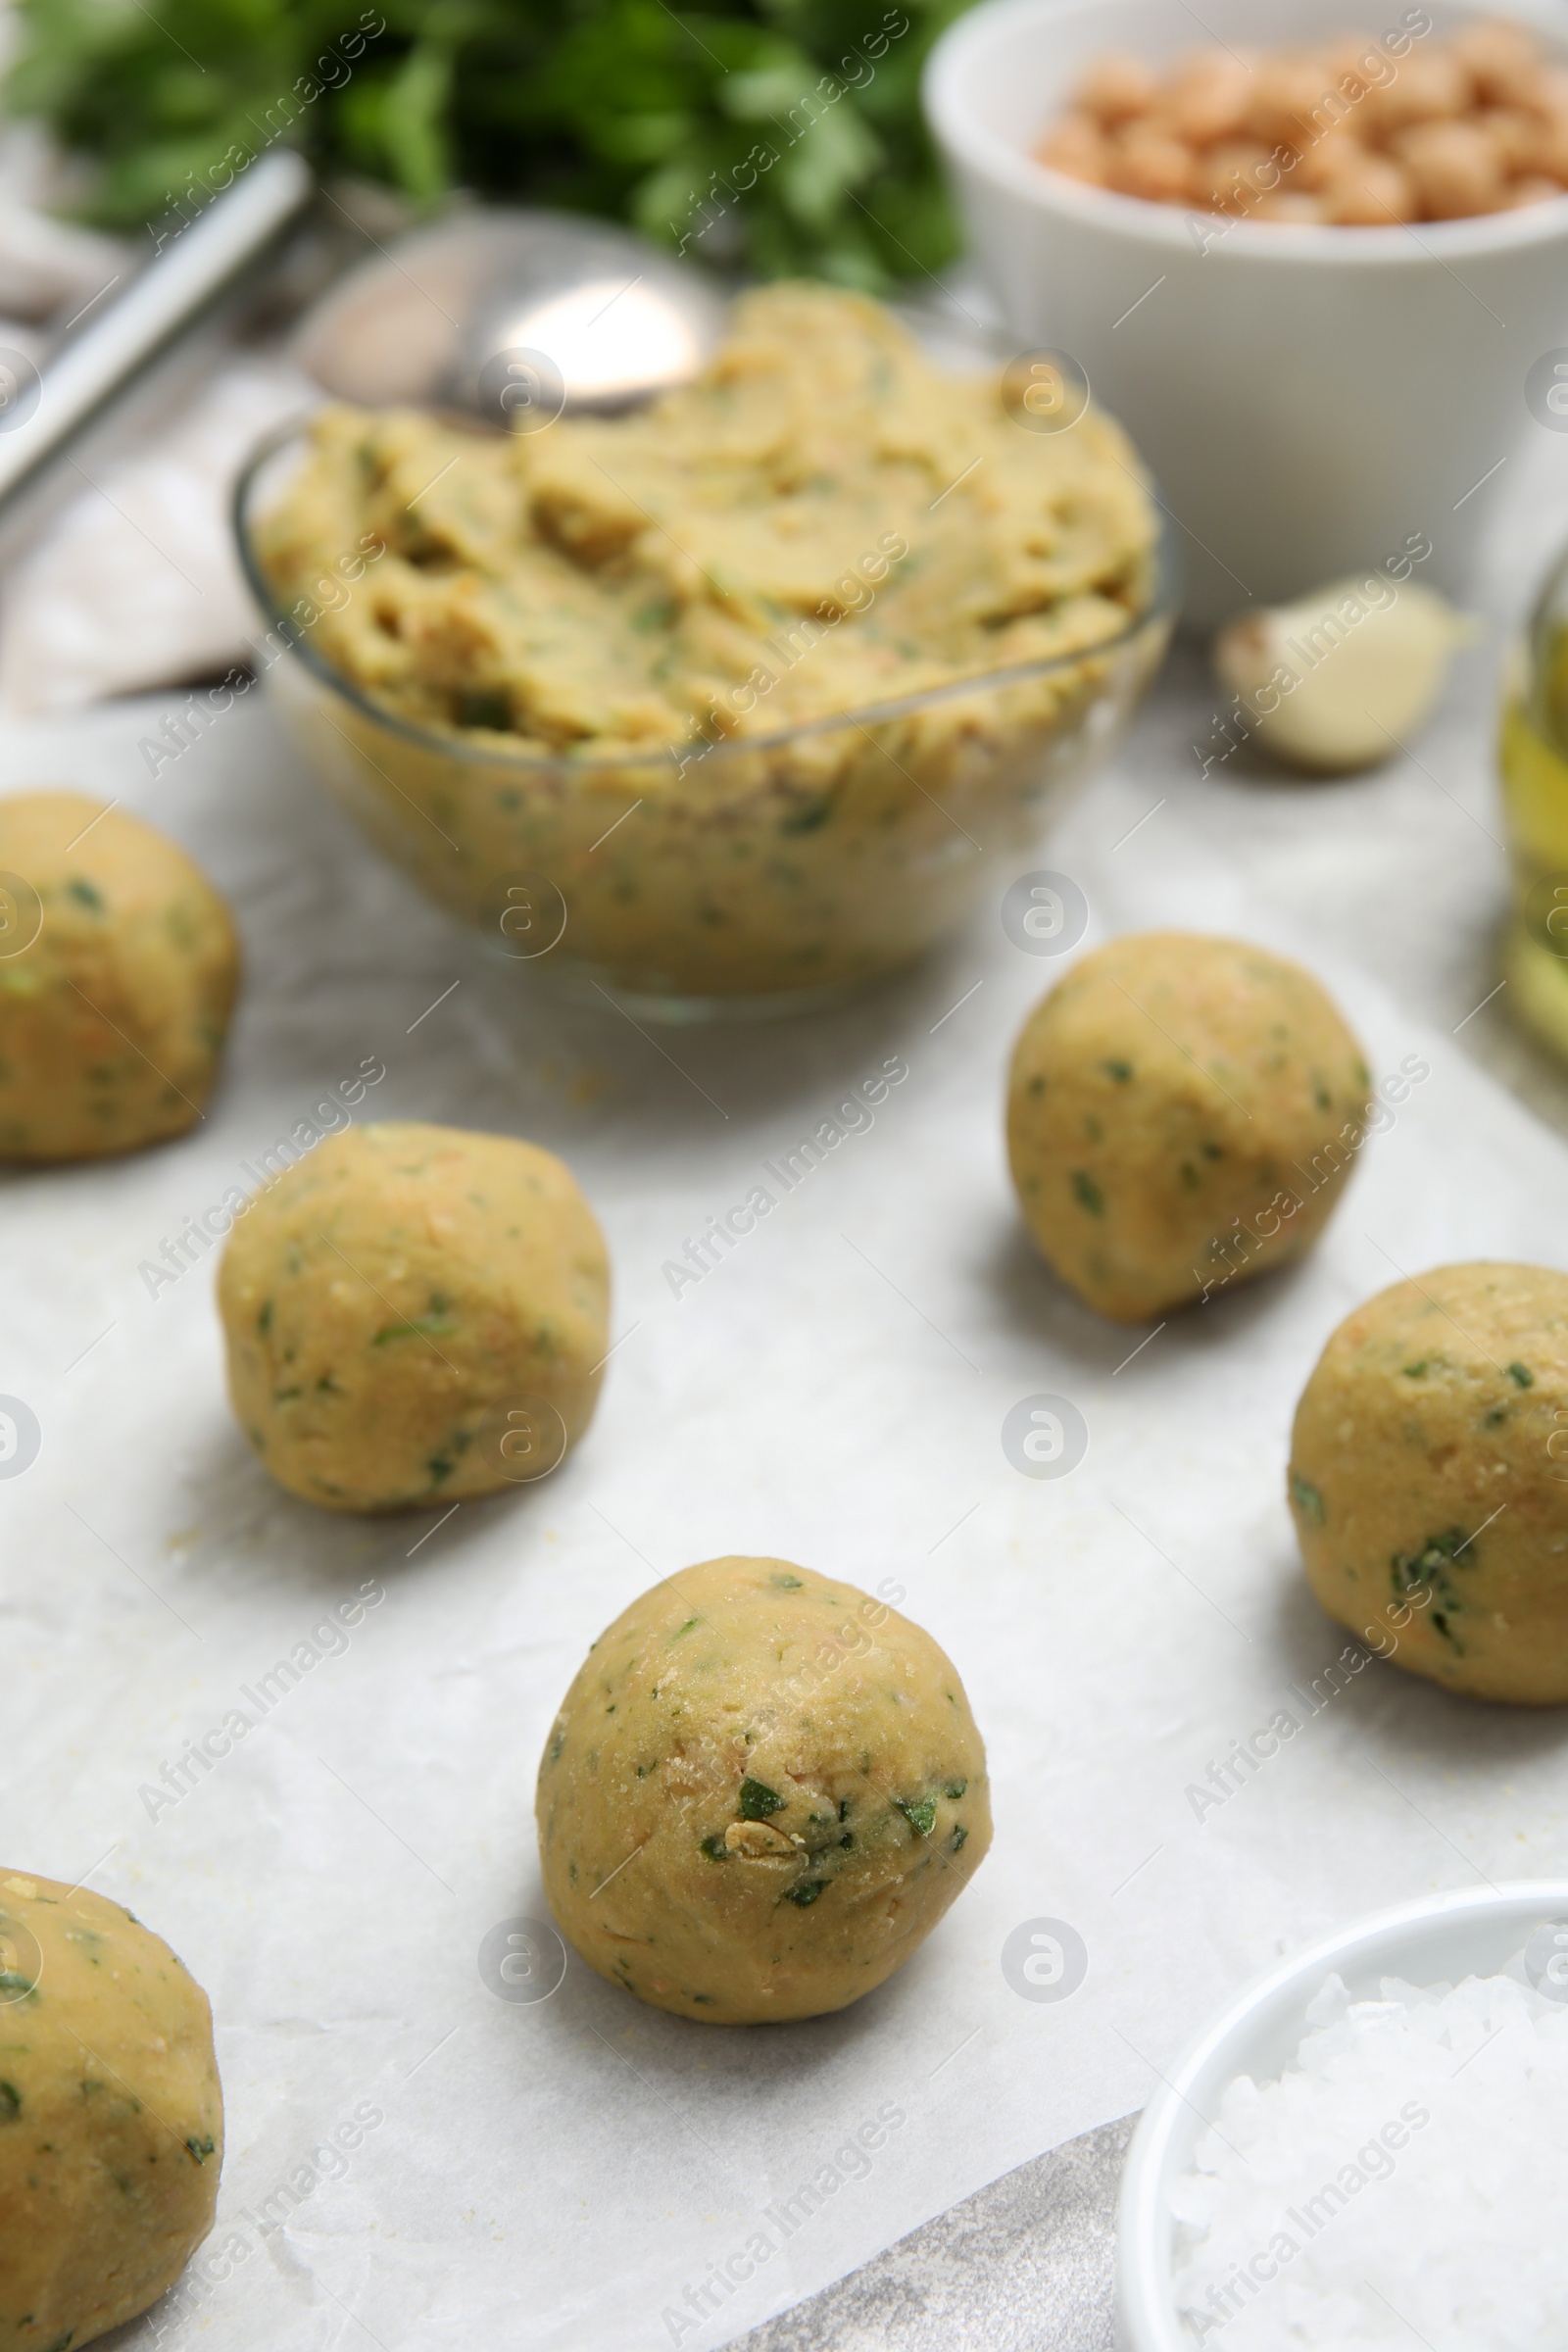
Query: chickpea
point(1430, 86)
point(1148, 162)
point(1515, 134)
point(1373, 194)
point(1329, 158)
point(1287, 100)
point(1503, 59)
point(1343, 132)
point(1074, 145)
point(1550, 154)
point(1454, 169)
point(1116, 88)
point(1232, 178)
point(1534, 188)
point(1290, 208)
point(1355, 67)
point(1211, 97)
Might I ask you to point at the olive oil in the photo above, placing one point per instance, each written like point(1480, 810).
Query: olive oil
point(1533, 754)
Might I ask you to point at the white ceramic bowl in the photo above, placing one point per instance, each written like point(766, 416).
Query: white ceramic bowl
point(1439, 1940)
point(1308, 397)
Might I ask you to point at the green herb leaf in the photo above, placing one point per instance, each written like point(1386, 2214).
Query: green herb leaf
point(1430, 1572)
point(778, 136)
point(1307, 1499)
point(437, 1325)
point(757, 1801)
point(808, 815)
point(483, 707)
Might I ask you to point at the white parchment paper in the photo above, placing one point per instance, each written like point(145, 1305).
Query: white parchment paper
point(583, 2171)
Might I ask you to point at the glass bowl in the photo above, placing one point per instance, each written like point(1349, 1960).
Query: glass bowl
point(754, 876)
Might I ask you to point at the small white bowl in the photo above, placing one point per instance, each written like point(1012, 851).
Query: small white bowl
point(1441, 1940)
point(1312, 400)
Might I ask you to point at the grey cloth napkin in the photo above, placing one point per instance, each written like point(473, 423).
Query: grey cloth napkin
point(1025, 2265)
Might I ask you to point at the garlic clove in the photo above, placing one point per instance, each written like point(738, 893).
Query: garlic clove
point(1333, 681)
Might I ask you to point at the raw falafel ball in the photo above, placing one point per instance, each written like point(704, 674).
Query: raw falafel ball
point(110, 2114)
point(761, 1792)
point(415, 1315)
point(1429, 1478)
point(1182, 1113)
point(118, 971)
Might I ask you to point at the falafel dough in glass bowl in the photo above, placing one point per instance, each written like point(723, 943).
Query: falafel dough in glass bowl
point(733, 704)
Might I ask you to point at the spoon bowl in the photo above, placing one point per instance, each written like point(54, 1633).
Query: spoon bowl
point(510, 316)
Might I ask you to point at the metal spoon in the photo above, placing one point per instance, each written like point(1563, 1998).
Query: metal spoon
point(510, 316)
point(504, 316)
point(40, 413)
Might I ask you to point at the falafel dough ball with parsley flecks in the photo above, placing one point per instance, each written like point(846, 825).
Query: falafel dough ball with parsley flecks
point(760, 1794)
point(111, 2116)
point(1429, 1478)
point(1182, 1113)
point(415, 1315)
point(118, 971)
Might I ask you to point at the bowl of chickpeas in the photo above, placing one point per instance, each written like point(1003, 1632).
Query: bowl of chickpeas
point(1310, 268)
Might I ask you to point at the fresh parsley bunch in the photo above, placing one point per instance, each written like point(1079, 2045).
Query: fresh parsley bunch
point(777, 135)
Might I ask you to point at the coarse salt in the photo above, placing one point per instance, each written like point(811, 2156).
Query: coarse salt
point(1403, 2182)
